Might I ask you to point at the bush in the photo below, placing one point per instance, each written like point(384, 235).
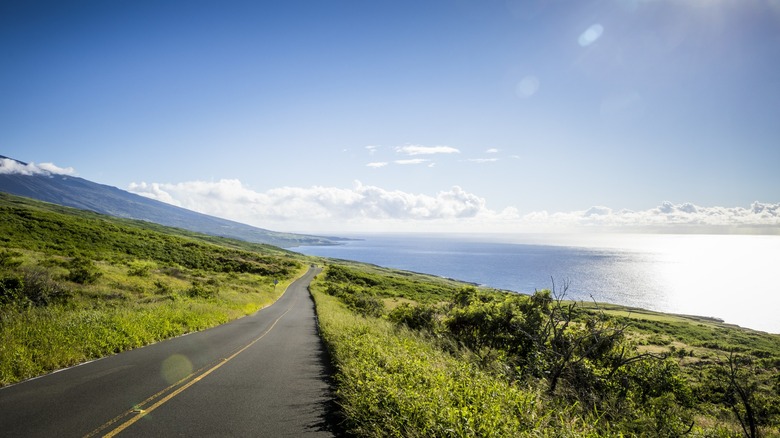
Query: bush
point(34, 288)
point(42, 290)
point(198, 290)
point(162, 288)
point(358, 301)
point(140, 268)
point(8, 259)
point(420, 317)
point(82, 271)
point(11, 290)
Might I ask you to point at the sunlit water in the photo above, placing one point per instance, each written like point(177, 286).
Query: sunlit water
point(731, 277)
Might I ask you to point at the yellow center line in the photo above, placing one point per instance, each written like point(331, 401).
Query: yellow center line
point(140, 413)
point(139, 406)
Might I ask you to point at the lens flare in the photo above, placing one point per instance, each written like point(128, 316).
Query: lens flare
point(592, 34)
point(176, 368)
point(527, 87)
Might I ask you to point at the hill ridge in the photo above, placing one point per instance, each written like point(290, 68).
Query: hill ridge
point(76, 192)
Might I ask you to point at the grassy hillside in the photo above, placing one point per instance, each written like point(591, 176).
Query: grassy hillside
point(421, 357)
point(75, 285)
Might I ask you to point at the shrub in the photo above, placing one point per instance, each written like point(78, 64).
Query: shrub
point(42, 290)
point(82, 271)
point(140, 268)
point(35, 288)
point(420, 317)
point(11, 290)
point(8, 259)
point(198, 290)
point(361, 302)
point(364, 304)
point(162, 288)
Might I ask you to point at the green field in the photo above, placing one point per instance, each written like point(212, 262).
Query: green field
point(76, 286)
point(413, 354)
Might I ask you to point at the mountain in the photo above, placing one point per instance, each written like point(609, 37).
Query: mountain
point(70, 191)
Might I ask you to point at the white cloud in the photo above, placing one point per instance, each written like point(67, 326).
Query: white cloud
point(369, 208)
point(153, 191)
point(9, 166)
point(426, 150)
point(597, 211)
point(411, 161)
point(411, 150)
point(667, 216)
point(482, 160)
point(316, 208)
point(492, 151)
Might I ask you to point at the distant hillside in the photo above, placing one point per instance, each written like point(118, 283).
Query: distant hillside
point(80, 193)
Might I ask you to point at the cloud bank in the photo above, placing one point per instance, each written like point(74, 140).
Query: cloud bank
point(370, 208)
point(286, 205)
point(9, 167)
point(685, 216)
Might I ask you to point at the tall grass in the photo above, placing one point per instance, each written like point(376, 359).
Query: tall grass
point(38, 340)
point(395, 382)
point(76, 285)
point(445, 369)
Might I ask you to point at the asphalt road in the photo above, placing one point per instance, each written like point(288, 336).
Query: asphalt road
point(263, 375)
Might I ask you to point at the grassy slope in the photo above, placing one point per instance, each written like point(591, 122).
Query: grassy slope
point(706, 337)
point(77, 285)
point(393, 381)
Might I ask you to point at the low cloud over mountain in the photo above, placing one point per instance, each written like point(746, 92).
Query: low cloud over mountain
point(9, 166)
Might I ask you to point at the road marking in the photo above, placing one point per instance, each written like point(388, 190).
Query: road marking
point(138, 407)
point(139, 412)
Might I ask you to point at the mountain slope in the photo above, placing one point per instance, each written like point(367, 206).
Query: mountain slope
point(83, 194)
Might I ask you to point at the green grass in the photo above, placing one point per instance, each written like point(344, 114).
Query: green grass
point(392, 381)
point(390, 283)
point(708, 336)
point(76, 286)
point(395, 381)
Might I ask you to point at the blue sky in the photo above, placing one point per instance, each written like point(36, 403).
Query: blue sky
point(467, 115)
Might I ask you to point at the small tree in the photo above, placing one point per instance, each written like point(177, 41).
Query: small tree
point(741, 393)
point(567, 343)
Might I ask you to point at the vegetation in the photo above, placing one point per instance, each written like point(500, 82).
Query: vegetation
point(393, 381)
point(469, 362)
point(75, 285)
point(415, 355)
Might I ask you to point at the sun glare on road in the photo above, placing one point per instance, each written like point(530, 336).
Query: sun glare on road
point(176, 368)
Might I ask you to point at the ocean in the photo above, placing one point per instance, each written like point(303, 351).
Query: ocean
point(731, 277)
